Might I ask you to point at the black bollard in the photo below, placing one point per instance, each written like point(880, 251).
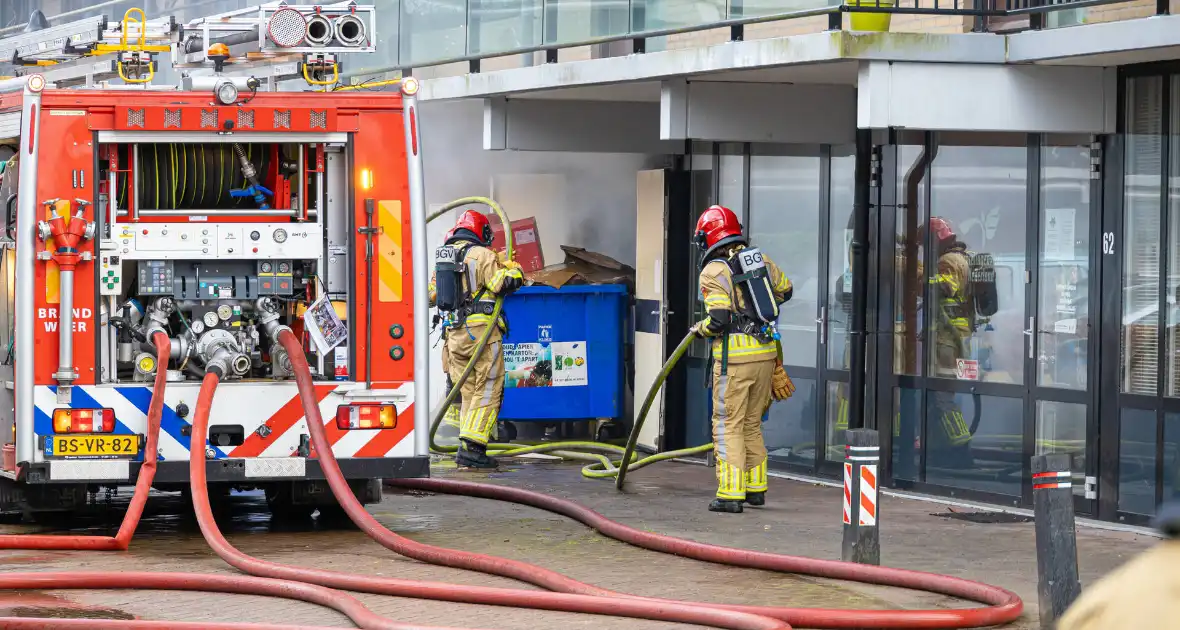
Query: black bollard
point(862, 540)
point(1057, 546)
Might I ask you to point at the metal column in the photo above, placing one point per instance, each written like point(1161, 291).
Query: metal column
point(421, 268)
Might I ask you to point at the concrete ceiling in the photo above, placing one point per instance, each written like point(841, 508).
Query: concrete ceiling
point(1122, 58)
point(837, 73)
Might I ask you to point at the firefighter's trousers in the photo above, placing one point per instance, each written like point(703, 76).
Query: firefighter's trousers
point(952, 432)
point(484, 390)
point(740, 397)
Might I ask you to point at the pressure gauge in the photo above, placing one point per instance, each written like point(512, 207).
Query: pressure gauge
point(284, 267)
point(225, 312)
point(198, 327)
point(210, 319)
point(280, 235)
point(266, 267)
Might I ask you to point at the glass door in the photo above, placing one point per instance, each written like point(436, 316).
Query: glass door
point(960, 394)
point(785, 221)
point(1065, 416)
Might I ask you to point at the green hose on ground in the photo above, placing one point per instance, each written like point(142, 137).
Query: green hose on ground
point(600, 466)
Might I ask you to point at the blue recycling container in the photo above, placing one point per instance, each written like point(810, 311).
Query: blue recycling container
point(563, 355)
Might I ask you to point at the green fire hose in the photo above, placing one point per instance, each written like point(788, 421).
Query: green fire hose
point(600, 466)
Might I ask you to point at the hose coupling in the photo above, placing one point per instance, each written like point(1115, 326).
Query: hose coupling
point(157, 315)
point(220, 361)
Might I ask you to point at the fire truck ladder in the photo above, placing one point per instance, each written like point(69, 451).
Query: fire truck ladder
point(92, 50)
point(278, 41)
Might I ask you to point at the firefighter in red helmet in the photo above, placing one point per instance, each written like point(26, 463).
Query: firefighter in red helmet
point(950, 291)
point(741, 289)
point(468, 276)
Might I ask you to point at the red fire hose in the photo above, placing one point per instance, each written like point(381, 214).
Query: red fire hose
point(143, 484)
point(634, 607)
point(309, 584)
point(1003, 606)
point(341, 602)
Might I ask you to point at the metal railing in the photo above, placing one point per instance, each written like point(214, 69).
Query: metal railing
point(423, 33)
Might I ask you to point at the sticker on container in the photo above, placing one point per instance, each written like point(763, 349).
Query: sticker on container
point(569, 364)
point(545, 333)
point(324, 326)
point(528, 365)
point(341, 363)
point(526, 236)
point(967, 370)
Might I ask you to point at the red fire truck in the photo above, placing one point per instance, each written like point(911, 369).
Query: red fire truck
point(206, 210)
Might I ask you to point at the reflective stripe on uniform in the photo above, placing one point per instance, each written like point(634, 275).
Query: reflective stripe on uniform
point(955, 428)
point(756, 478)
point(743, 345)
point(731, 482)
point(717, 301)
point(783, 285)
point(719, 412)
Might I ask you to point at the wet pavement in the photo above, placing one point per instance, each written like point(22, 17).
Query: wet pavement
point(801, 519)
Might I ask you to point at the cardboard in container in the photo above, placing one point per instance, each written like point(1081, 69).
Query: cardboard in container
point(584, 267)
point(526, 242)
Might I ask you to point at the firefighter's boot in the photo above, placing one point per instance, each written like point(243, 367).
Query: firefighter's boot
point(726, 505)
point(756, 499)
point(474, 455)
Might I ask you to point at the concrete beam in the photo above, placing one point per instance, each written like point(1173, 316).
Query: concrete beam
point(971, 97)
point(746, 55)
point(581, 126)
point(757, 112)
point(1074, 44)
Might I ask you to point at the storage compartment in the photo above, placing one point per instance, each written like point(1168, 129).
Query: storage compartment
point(172, 179)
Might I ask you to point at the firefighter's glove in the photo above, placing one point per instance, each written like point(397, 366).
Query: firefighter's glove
point(701, 329)
point(513, 280)
point(511, 264)
point(781, 387)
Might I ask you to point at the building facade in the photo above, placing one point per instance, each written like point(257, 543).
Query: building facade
point(1047, 135)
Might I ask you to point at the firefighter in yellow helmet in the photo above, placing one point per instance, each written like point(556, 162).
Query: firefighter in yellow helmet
point(468, 277)
point(1139, 594)
point(741, 289)
point(950, 286)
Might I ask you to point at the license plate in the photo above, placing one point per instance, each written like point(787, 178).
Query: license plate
point(104, 446)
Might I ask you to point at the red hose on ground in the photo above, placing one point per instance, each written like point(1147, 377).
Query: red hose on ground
point(143, 483)
point(673, 611)
point(104, 580)
point(1004, 606)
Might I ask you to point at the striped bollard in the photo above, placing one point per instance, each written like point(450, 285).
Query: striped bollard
point(1057, 545)
point(862, 540)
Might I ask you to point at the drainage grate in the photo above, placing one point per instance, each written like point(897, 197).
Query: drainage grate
point(986, 518)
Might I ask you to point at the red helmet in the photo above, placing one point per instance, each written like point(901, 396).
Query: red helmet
point(476, 223)
point(717, 227)
point(941, 228)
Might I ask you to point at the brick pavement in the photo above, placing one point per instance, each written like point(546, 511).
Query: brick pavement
point(802, 519)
